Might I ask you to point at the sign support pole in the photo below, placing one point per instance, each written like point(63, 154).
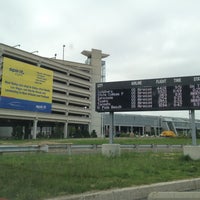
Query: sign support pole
point(193, 127)
point(35, 121)
point(111, 130)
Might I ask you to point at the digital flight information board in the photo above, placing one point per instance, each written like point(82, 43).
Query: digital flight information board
point(178, 93)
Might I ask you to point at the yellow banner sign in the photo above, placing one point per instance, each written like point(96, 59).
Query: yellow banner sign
point(26, 82)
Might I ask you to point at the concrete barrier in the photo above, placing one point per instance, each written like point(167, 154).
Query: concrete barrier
point(111, 150)
point(174, 196)
point(44, 148)
point(192, 151)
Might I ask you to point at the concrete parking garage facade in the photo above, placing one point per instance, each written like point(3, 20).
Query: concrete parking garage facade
point(73, 92)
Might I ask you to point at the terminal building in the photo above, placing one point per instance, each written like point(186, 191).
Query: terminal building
point(146, 125)
point(71, 96)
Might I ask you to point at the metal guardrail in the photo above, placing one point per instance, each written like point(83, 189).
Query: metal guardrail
point(152, 146)
point(23, 148)
point(69, 147)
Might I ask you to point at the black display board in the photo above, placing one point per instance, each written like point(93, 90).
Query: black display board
point(178, 93)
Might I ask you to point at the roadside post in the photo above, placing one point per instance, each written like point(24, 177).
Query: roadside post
point(193, 127)
point(111, 130)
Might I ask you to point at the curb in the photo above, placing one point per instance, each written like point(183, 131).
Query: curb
point(174, 195)
point(136, 193)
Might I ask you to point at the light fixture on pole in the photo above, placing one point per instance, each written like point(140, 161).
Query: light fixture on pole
point(18, 45)
point(35, 52)
point(63, 51)
point(55, 55)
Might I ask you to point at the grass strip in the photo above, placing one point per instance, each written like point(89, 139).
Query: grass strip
point(120, 140)
point(37, 175)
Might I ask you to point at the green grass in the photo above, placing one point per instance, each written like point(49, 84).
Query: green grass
point(38, 175)
point(139, 140)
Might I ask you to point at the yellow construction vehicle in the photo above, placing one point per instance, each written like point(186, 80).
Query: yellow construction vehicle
point(168, 134)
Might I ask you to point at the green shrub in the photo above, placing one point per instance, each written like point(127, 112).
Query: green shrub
point(93, 134)
point(125, 135)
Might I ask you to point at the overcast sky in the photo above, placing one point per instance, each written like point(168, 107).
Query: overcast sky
point(145, 38)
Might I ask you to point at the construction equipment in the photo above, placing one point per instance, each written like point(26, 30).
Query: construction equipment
point(168, 134)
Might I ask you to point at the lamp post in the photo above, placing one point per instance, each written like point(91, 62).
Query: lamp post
point(18, 45)
point(35, 52)
point(63, 51)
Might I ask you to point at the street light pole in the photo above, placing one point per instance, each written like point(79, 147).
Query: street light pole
point(18, 45)
point(34, 52)
point(63, 51)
